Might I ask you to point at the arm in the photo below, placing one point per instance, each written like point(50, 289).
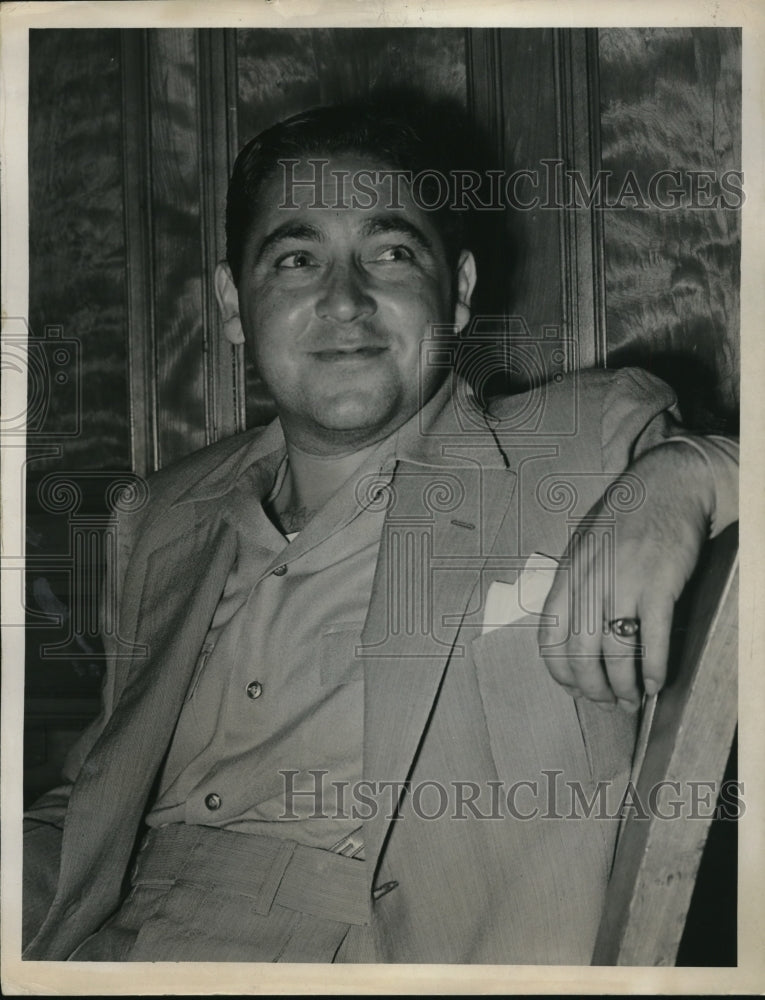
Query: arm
point(690, 487)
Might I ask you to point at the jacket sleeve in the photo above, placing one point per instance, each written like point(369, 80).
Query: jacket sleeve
point(640, 412)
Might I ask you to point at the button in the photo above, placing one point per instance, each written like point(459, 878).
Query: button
point(383, 889)
point(280, 570)
point(254, 689)
point(213, 801)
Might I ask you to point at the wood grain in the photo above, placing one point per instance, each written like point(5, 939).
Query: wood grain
point(217, 89)
point(177, 251)
point(76, 239)
point(139, 270)
point(533, 289)
point(671, 98)
point(582, 263)
point(657, 858)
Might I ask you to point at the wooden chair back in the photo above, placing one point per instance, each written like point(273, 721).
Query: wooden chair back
point(685, 738)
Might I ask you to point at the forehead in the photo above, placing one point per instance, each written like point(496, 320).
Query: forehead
point(341, 194)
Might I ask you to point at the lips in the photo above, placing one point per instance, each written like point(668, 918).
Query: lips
point(363, 353)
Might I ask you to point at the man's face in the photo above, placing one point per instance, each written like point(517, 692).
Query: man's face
point(334, 303)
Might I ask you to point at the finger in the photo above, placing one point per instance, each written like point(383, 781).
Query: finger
point(589, 673)
point(621, 655)
point(553, 631)
point(575, 657)
point(585, 642)
point(655, 628)
point(621, 652)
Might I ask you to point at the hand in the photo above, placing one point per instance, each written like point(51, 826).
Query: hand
point(628, 564)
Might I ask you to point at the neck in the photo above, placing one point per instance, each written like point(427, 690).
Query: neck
point(319, 467)
point(310, 481)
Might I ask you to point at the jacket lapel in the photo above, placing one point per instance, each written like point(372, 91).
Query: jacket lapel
point(183, 582)
point(438, 532)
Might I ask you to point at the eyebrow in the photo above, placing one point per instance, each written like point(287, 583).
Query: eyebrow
point(397, 224)
point(378, 224)
point(289, 231)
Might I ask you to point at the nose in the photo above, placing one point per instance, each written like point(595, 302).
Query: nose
point(344, 296)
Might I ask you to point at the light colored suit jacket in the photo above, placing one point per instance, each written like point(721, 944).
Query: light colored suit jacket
point(444, 704)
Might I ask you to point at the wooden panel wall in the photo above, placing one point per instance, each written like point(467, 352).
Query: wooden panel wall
point(534, 92)
point(671, 99)
point(178, 143)
point(77, 241)
point(179, 311)
point(128, 181)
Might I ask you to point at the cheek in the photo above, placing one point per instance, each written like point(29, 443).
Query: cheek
point(413, 312)
point(274, 322)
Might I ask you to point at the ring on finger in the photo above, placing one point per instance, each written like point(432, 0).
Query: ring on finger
point(624, 628)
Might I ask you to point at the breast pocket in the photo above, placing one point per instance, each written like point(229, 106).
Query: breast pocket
point(338, 660)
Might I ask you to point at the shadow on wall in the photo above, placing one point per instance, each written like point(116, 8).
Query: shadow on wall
point(696, 383)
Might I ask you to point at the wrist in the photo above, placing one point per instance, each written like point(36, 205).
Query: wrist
point(717, 483)
point(688, 473)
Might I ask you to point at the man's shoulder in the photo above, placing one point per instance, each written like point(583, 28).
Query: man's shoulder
point(581, 396)
point(216, 466)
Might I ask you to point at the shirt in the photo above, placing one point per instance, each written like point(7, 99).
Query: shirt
point(270, 737)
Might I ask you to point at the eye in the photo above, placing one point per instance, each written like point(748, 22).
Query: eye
point(296, 259)
point(395, 254)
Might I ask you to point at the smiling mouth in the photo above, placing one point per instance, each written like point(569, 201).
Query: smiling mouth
point(349, 354)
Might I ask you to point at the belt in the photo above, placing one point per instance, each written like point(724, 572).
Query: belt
point(267, 870)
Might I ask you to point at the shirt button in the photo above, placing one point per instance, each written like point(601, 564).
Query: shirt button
point(213, 801)
point(254, 689)
point(280, 570)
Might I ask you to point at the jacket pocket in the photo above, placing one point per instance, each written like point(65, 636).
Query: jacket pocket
point(574, 754)
point(338, 662)
point(533, 723)
point(524, 704)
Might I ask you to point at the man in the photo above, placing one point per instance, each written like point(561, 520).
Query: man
point(326, 748)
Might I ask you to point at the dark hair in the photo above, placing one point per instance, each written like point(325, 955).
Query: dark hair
point(397, 141)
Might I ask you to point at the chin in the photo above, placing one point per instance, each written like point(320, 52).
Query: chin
point(357, 409)
point(354, 419)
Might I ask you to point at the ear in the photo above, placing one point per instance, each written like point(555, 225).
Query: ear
point(228, 303)
point(466, 278)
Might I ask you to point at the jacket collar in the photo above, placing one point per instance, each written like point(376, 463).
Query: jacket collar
point(256, 445)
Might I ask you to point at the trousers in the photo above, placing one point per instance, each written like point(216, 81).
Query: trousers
point(204, 894)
